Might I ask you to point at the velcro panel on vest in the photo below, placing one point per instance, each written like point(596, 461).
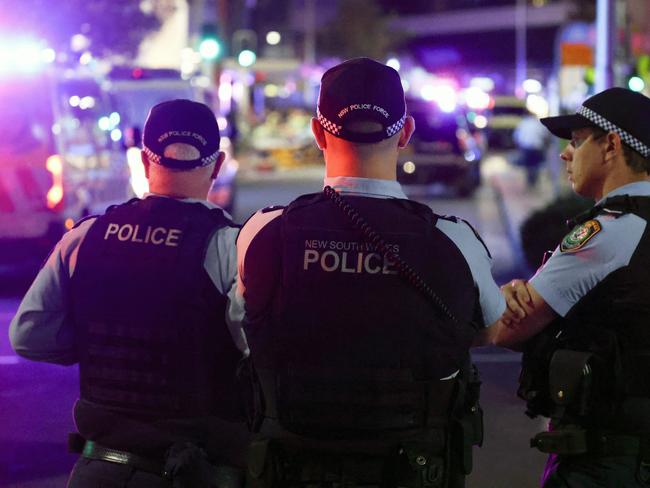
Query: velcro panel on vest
point(123, 355)
point(150, 323)
point(327, 402)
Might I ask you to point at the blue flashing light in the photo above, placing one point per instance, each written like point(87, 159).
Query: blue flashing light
point(116, 135)
point(23, 56)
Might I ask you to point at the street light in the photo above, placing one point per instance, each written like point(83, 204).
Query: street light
point(209, 49)
point(273, 38)
point(210, 45)
point(247, 58)
point(636, 83)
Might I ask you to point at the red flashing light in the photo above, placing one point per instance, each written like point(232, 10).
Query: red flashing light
point(137, 73)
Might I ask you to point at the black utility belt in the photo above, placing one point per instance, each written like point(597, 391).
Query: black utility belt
point(92, 450)
point(576, 441)
point(212, 476)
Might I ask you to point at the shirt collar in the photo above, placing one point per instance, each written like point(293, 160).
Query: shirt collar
point(188, 200)
point(367, 187)
point(638, 188)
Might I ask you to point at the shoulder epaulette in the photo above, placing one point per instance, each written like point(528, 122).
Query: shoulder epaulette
point(616, 206)
point(450, 218)
point(83, 219)
point(478, 236)
point(272, 208)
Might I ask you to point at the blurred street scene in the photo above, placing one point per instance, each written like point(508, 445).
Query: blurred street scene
point(77, 81)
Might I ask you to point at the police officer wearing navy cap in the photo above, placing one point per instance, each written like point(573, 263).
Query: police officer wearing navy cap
point(360, 309)
point(138, 298)
point(583, 319)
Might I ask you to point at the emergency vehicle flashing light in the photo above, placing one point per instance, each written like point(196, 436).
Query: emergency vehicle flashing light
point(55, 194)
point(24, 56)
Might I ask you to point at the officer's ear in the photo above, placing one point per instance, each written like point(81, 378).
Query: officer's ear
point(406, 132)
point(319, 133)
point(613, 145)
point(217, 165)
point(145, 163)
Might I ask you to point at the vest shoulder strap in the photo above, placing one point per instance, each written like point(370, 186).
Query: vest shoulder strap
point(617, 205)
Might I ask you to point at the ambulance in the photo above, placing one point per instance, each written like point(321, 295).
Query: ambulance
point(58, 162)
point(70, 147)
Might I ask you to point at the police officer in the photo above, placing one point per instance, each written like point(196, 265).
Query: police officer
point(587, 370)
point(360, 308)
point(137, 297)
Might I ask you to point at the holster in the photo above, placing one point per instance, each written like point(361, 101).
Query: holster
point(418, 466)
point(467, 429)
point(533, 378)
point(566, 441)
point(412, 464)
point(187, 466)
point(571, 378)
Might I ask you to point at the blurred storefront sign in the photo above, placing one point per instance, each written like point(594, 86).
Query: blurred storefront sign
point(576, 54)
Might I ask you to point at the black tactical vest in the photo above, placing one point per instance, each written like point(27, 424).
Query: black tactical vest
point(150, 324)
point(350, 349)
point(610, 328)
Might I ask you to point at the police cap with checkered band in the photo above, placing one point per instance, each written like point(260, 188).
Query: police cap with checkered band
point(183, 121)
point(618, 110)
point(361, 89)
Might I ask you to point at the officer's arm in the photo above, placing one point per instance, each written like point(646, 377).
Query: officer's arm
point(42, 329)
point(527, 314)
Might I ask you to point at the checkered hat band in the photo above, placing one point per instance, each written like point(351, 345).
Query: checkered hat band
point(328, 125)
point(606, 125)
point(331, 127)
point(155, 158)
point(152, 156)
point(396, 127)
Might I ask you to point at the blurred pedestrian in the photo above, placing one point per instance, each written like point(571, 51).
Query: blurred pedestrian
point(137, 297)
point(360, 309)
point(530, 138)
point(582, 320)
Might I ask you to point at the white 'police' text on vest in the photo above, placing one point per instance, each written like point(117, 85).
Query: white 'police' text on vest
point(149, 235)
point(346, 257)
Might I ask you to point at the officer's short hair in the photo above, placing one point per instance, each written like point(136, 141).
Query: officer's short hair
point(633, 159)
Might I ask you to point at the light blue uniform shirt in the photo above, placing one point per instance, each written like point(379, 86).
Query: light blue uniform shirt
point(568, 276)
point(41, 330)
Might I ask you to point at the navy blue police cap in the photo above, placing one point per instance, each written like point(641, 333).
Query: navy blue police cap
point(618, 110)
point(361, 89)
point(183, 121)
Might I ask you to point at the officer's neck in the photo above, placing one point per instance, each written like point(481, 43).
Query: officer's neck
point(180, 192)
point(376, 168)
point(620, 175)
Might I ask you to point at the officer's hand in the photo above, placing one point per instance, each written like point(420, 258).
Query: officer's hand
point(518, 302)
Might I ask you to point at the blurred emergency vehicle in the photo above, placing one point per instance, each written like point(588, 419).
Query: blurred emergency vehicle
point(62, 153)
point(503, 118)
point(56, 163)
point(442, 149)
